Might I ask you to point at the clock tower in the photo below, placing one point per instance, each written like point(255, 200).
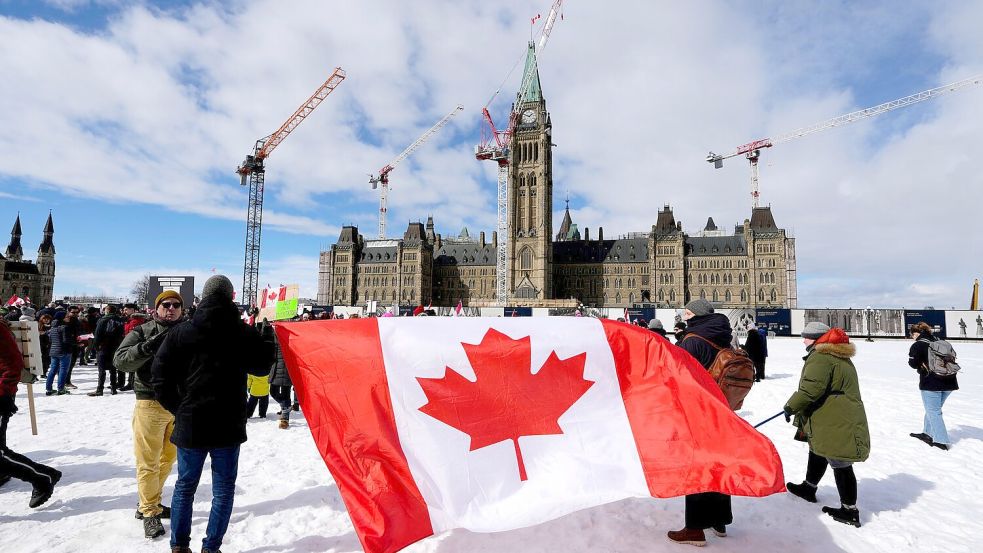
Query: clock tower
point(530, 214)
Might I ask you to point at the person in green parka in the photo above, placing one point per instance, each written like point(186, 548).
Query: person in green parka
point(829, 414)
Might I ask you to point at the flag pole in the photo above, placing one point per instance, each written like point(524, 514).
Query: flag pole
point(775, 416)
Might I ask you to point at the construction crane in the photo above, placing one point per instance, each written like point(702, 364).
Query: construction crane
point(254, 170)
point(752, 150)
point(494, 146)
point(381, 181)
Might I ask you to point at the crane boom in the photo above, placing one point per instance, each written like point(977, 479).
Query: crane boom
point(752, 150)
point(253, 169)
point(383, 176)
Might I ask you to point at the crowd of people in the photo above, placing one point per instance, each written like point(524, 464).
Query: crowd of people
point(180, 361)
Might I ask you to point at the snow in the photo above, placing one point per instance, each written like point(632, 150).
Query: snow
point(911, 497)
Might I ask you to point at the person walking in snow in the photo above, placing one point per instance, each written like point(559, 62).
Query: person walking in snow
point(259, 395)
point(199, 375)
point(62, 343)
point(708, 509)
point(152, 424)
point(829, 414)
point(42, 477)
point(935, 388)
point(280, 383)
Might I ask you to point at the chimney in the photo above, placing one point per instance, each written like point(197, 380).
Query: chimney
point(587, 234)
point(495, 239)
point(600, 234)
point(436, 242)
point(481, 238)
point(679, 226)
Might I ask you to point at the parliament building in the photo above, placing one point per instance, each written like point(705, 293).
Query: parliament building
point(754, 266)
point(24, 278)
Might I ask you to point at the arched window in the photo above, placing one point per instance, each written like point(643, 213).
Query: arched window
point(727, 296)
point(672, 296)
point(525, 259)
point(715, 298)
point(661, 295)
point(703, 294)
point(774, 295)
point(744, 296)
point(761, 295)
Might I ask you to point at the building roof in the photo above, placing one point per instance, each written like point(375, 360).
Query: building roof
point(535, 91)
point(564, 233)
point(665, 223)
point(21, 267)
point(47, 245)
point(762, 219)
point(716, 245)
point(464, 252)
point(16, 230)
point(710, 224)
point(622, 250)
point(349, 235)
point(414, 233)
point(381, 253)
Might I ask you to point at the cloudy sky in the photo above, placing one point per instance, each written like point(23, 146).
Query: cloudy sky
point(128, 119)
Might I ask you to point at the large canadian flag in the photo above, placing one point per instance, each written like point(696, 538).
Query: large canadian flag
point(491, 424)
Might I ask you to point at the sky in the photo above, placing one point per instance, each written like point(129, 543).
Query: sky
point(126, 120)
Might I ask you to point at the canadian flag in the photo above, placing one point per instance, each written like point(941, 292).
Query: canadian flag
point(15, 300)
point(271, 296)
point(459, 308)
point(490, 424)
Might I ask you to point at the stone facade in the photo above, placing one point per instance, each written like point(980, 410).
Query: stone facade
point(754, 266)
point(25, 278)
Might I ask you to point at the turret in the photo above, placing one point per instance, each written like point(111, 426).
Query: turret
point(14, 250)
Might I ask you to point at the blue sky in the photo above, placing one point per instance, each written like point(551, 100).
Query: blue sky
point(131, 117)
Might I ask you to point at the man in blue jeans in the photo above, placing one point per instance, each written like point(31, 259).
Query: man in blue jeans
point(199, 375)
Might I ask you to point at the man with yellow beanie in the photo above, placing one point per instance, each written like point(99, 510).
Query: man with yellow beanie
point(152, 424)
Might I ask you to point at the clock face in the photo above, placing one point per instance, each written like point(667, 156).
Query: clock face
point(529, 116)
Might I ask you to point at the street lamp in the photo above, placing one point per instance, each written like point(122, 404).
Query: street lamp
point(870, 318)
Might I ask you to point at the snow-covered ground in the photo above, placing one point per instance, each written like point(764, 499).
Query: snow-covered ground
point(912, 497)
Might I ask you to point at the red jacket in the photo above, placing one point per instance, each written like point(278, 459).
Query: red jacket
point(11, 362)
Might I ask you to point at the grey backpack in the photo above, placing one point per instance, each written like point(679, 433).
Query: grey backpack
point(942, 358)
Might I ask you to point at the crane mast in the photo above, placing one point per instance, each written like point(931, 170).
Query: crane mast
point(494, 146)
point(253, 170)
point(752, 150)
point(382, 179)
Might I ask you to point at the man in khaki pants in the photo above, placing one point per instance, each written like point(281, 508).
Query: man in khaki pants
point(152, 424)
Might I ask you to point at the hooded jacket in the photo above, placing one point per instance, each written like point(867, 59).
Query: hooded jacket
point(714, 327)
point(827, 404)
point(11, 361)
point(918, 360)
point(199, 375)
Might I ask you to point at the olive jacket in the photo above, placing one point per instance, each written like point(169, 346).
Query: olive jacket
point(827, 404)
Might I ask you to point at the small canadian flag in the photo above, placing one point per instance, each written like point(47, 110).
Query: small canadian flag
point(490, 424)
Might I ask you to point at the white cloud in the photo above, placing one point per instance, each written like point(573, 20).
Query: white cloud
point(171, 101)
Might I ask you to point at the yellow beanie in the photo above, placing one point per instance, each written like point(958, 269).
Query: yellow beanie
point(167, 294)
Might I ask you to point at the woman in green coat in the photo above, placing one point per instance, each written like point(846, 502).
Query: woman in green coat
point(829, 414)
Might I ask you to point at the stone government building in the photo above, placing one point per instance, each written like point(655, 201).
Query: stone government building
point(27, 279)
point(664, 267)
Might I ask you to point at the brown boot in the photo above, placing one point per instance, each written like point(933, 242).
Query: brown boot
point(284, 424)
point(688, 536)
point(181, 549)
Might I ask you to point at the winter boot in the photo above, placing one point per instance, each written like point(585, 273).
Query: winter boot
point(804, 490)
point(165, 512)
point(720, 531)
point(96, 393)
point(42, 493)
point(923, 437)
point(284, 424)
point(688, 536)
point(152, 527)
point(846, 515)
point(64, 392)
point(180, 549)
point(4, 479)
point(203, 550)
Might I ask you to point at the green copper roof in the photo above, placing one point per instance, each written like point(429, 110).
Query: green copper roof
point(535, 91)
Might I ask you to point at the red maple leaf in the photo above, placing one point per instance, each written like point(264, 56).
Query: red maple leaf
point(507, 400)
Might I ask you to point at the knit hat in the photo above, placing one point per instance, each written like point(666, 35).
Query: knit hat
point(218, 285)
point(165, 295)
point(27, 312)
point(700, 307)
point(654, 324)
point(815, 330)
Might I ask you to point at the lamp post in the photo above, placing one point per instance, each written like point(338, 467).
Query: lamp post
point(870, 318)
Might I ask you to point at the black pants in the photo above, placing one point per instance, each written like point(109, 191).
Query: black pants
point(253, 401)
point(846, 480)
point(708, 509)
point(759, 370)
point(281, 394)
point(104, 358)
point(20, 467)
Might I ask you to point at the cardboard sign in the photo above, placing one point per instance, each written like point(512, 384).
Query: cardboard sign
point(29, 342)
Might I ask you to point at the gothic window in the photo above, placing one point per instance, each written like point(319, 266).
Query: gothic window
point(703, 294)
point(727, 296)
point(774, 295)
point(631, 297)
point(672, 296)
point(744, 296)
point(661, 295)
point(535, 152)
point(761, 295)
point(525, 259)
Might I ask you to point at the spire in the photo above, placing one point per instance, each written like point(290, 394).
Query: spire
point(535, 92)
point(48, 245)
point(14, 250)
point(565, 226)
point(710, 224)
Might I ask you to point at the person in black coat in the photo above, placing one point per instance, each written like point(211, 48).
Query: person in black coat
point(280, 383)
point(708, 509)
point(756, 349)
point(935, 388)
point(199, 375)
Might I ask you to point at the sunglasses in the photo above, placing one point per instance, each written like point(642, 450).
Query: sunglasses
point(170, 305)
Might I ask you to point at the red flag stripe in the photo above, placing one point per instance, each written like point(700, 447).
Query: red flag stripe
point(688, 439)
point(352, 399)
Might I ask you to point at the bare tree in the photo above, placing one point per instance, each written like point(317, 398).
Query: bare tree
point(140, 289)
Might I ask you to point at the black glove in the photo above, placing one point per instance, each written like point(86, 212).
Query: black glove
point(788, 414)
point(7, 407)
point(151, 345)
